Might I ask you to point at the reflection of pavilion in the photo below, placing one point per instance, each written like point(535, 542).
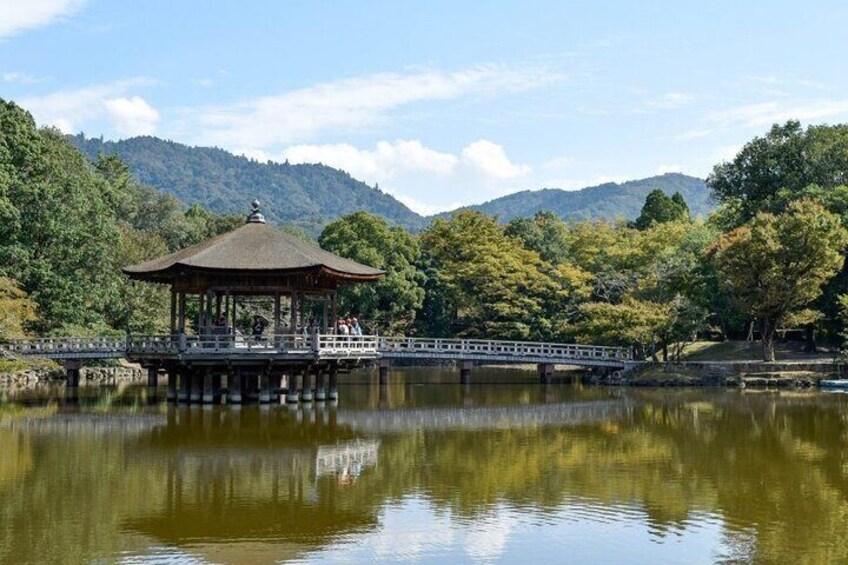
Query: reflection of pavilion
point(259, 478)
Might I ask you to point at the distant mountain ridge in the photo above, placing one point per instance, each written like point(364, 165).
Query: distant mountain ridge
point(609, 200)
point(305, 195)
point(312, 195)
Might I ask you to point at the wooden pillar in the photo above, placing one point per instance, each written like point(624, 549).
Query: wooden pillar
point(182, 313)
point(277, 318)
point(185, 385)
point(173, 310)
point(465, 372)
point(320, 393)
point(291, 393)
point(234, 383)
point(264, 388)
point(301, 302)
point(325, 315)
point(201, 313)
point(233, 313)
point(196, 379)
point(334, 318)
point(217, 305)
point(209, 391)
point(251, 389)
point(306, 386)
point(172, 384)
point(546, 372)
point(333, 393)
point(276, 380)
point(385, 365)
point(293, 313)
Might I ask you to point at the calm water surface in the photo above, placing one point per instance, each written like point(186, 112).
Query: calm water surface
point(502, 470)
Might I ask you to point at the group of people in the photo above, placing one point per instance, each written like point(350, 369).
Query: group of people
point(349, 326)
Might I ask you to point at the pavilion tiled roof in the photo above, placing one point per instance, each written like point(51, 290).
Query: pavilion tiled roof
point(254, 248)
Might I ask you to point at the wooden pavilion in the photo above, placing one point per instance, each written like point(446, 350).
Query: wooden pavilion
point(255, 260)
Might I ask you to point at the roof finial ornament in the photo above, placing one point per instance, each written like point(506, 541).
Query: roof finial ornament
point(255, 217)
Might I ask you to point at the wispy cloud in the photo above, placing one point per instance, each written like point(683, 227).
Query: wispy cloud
point(346, 105)
point(764, 114)
point(17, 16)
point(17, 77)
point(69, 110)
point(670, 101)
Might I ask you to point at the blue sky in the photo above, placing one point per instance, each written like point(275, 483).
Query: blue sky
point(441, 103)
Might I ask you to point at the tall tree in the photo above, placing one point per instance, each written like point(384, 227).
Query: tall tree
point(389, 306)
point(659, 209)
point(487, 283)
point(776, 265)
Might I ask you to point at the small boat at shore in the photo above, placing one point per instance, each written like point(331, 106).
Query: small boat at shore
point(834, 383)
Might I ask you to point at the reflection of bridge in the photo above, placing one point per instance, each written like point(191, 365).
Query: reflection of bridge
point(200, 361)
point(482, 418)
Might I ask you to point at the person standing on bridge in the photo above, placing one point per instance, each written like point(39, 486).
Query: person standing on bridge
point(355, 328)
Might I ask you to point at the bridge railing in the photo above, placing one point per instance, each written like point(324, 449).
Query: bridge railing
point(458, 347)
point(351, 344)
point(282, 343)
point(50, 346)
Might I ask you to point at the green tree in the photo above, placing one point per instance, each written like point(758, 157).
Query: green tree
point(776, 265)
point(390, 305)
point(659, 209)
point(57, 231)
point(545, 233)
point(771, 171)
point(486, 283)
point(17, 311)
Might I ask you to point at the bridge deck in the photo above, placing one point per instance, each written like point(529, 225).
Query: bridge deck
point(226, 348)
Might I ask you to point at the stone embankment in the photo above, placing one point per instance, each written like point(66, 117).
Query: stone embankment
point(37, 375)
point(778, 374)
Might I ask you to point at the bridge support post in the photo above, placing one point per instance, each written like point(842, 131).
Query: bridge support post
point(385, 365)
point(196, 392)
point(72, 377)
point(209, 390)
point(264, 388)
point(234, 382)
point(320, 393)
point(251, 390)
point(465, 372)
point(546, 372)
point(306, 386)
point(333, 393)
point(172, 384)
point(152, 377)
point(276, 381)
point(291, 393)
point(185, 384)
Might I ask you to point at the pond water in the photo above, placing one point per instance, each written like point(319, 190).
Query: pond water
point(504, 470)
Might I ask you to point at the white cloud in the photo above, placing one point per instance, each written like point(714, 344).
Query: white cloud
point(671, 101)
point(68, 110)
point(16, 77)
point(490, 158)
point(385, 161)
point(345, 105)
point(132, 116)
point(17, 16)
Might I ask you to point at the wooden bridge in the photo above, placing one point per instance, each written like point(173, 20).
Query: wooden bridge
point(260, 369)
point(317, 346)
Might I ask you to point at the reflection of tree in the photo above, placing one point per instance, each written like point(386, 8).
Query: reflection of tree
point(771, 467)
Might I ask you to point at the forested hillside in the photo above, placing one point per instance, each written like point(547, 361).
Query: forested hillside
point(609, 200)
point(305, 195)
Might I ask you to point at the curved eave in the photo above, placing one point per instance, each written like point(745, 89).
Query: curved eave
point(173, 271)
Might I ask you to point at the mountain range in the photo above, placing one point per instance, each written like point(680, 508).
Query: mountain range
point(310, 195)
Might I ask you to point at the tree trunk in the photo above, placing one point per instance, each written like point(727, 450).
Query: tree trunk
point(810, 335)
point(767, 338)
